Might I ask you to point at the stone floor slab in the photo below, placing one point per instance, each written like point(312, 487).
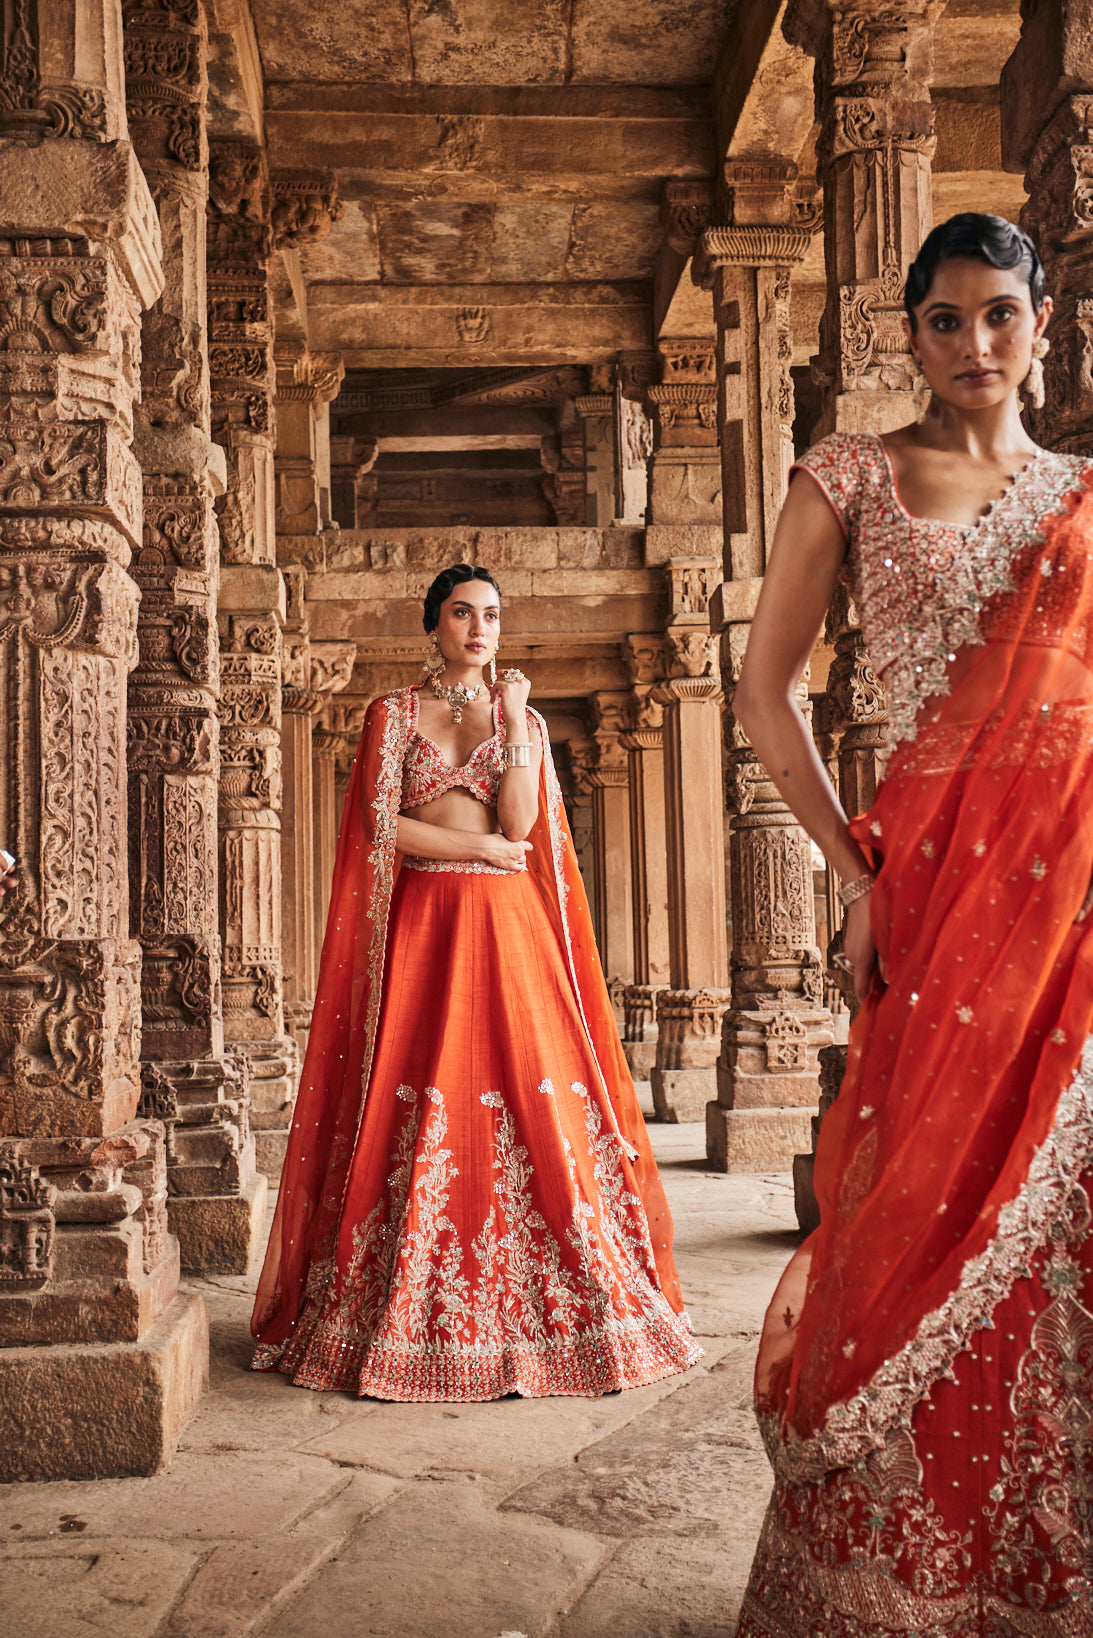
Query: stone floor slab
point(680, 1470)
point(502, 1439)
point(201, 1498)
point(665, 1589)
point(440, 1562)
point(80, 1586)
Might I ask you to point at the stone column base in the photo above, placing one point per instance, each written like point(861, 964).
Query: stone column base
point(103, 1410)
point(220, 1233)
point(804, 1195)
point(269, 1153)
point(274, 1071)
point(755, 1140)
point(682, 1094)
point(641, 1056)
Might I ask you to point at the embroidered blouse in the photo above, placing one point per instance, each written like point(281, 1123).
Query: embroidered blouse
point(426, 775)
point(920, 584)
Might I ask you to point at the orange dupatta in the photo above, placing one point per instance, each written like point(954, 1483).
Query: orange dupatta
point(966, 1113)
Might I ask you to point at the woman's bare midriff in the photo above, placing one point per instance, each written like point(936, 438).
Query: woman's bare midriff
point(457, 810)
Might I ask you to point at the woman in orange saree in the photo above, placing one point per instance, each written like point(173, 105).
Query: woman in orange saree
point(469, 1205)
point(925, 1376)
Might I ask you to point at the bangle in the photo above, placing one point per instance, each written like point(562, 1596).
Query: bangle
point(857, 889)
point(516, 753)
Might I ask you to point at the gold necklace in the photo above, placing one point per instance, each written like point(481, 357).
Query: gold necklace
point(457, 696)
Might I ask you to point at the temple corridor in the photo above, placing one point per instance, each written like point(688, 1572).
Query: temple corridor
point(301, 302)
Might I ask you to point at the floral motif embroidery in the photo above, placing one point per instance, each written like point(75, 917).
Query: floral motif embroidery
point(865, 1552)
point(863, 1423)
point(920, 584)
point(416, 1315)
point(455, 867)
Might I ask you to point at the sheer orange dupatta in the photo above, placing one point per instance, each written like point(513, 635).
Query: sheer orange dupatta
point(964, 1115)
point(349, 995)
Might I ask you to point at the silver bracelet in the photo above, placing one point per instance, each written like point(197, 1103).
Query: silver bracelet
point(857, 889)
point(516, 753)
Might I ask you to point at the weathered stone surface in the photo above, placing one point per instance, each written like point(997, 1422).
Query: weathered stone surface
point(491, 1572)
point(756, 1140)
point(668, 1476)
point(682, 1094)
point(101, 1411)
point(85, 1585)
point(220, 1233)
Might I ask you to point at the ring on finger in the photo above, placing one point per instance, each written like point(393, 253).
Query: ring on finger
point(513, 675)
point(842, 962)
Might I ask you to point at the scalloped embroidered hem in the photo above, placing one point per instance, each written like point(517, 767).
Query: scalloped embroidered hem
point(788, 1615)
point(585, 1367)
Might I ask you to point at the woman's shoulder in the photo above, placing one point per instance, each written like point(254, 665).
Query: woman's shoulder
point(393, 707)
point(844, 465)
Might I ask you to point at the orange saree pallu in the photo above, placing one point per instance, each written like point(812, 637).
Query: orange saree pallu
point(925, 1377)
point(469, 1205)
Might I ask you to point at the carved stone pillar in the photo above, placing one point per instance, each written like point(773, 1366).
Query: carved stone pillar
point(90, 1318)
point(351, 460)
point(633, 437)
point(251, 612)
point(873, 68)
point(1047, 132)
point(646, 662)
point(306, 384)
point(685, 468)
point(690, 1009)
point(858, 716)
point(608, 779)
point(767, 1073)
point(300, 704)
point(597, 414)
point(312, 672)
point(217, 1201)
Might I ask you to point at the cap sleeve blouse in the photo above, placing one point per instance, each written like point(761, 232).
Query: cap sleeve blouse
point(843, 467)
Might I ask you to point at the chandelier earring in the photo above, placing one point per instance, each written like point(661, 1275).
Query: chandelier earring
point(1033, 385)
point(920, 387)
point(434, 659)
point(493, 670)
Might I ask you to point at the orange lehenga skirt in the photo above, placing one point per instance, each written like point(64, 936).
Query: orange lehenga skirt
point(492, 1237)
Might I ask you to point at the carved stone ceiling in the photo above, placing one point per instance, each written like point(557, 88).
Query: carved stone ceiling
point(502, 165)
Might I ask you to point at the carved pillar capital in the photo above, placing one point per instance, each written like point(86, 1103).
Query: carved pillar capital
point(305, 206)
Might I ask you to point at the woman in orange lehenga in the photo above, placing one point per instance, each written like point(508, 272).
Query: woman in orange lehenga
point(469, 1205)
point(925, 1378)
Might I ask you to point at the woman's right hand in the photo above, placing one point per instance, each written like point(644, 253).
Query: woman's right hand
point(498, 850)
point(858, 944)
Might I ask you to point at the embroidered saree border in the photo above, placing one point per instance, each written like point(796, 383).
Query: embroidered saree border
point(856, 1426)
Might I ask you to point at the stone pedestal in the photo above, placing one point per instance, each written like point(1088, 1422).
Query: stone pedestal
point(86, 1260)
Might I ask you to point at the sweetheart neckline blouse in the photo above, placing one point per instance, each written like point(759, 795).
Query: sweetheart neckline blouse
point(427, 774)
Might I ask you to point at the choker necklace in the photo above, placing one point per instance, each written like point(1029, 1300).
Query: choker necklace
point(457, 695)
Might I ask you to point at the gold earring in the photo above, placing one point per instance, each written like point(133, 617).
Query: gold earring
point(434, 659)
point(493, 671)
point(1033, 384)
point(920, 387)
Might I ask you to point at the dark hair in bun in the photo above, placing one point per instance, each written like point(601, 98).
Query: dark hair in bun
point(444, 585)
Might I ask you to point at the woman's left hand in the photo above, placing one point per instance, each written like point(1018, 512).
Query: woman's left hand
point(511, 692)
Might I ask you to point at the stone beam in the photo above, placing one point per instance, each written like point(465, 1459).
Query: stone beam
point(527, 141)
point(377, 326)
point(763, 87)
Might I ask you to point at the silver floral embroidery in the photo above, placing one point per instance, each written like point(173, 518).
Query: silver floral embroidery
point(921, 585)
point(862, 1423)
